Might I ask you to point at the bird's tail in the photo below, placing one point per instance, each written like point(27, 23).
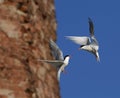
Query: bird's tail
point(59, 72)
point(97, 57)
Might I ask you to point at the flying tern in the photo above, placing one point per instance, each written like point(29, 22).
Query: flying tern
point(89, 44)
point(60, 62)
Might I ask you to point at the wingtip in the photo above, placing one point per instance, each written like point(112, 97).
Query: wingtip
point(67, 37)
point(39, 60)
point(51, 40)
point(89, 19)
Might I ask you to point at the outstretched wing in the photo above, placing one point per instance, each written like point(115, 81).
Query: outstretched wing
point(55, 63)
point(57, 53)
point(91, 27)
point(79, 40)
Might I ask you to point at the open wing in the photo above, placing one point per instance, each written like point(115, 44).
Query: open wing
point(91, 27)
point(55, 63)
point(79, 40)
point(57, 53)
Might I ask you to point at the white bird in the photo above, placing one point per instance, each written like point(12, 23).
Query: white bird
point(60, 62)
point(89, 44)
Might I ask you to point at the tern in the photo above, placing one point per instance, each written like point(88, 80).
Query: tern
point(60, 62)
point(89, 44)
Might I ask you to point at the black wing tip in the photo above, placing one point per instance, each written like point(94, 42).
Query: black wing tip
point(91, 26)
point(90, 20)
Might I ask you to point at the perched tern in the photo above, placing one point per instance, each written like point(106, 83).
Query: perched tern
point(60, 62)
point(89, 44)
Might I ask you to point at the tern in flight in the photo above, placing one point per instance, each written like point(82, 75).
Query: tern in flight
point(89, 44)
point(60, 62)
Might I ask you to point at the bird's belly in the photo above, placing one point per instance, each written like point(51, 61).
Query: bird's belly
point(65, 63)
point(95, 47)
point(87, 47)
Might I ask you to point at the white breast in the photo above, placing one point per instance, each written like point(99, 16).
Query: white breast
point(66, 61)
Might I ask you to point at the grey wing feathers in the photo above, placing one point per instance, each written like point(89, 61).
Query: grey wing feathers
point(94, 41)
point(91, 27)
point(79, 40)
point(56, 52)
point(55, 63)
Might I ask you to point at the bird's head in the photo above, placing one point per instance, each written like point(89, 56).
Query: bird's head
point(81, 47)
point(66, 58)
